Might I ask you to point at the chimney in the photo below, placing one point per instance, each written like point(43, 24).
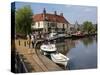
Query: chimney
point(55, 12)
point(61, 14)
point(44, 11)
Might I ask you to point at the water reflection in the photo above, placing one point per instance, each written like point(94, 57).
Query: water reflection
point(82, 52)
point(65, 46)
point(87, 41)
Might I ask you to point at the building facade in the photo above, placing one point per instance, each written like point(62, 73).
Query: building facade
point(46, 22)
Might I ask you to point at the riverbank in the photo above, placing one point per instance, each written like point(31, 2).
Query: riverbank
point(82, 36)
point(38, 62)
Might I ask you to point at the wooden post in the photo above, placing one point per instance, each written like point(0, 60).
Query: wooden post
point(19, 42)
point(25, 43)
point(29, 43)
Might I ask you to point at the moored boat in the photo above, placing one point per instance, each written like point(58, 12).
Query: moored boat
point(59, 58)
point(47, 48)
point(52, 36)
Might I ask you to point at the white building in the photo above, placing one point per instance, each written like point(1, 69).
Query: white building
point(46, 22)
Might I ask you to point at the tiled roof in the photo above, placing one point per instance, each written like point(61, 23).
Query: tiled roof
point(50, 18)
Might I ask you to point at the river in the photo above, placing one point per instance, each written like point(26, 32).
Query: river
point(82, 52)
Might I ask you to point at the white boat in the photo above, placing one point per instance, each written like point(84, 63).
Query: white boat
point(59, 59)
point(47, 48)
point(61, 35)
point(52, 36)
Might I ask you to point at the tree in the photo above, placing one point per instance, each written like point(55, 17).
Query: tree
point(95, 28)
point(23, 20)
point(88, 27)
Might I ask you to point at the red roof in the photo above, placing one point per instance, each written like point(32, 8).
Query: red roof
point(50, 18)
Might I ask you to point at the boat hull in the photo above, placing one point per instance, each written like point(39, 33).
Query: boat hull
point(62, 61)
point(59, 62)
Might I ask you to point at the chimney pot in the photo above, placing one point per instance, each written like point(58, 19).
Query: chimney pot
point(55, 12)
point(44, 11)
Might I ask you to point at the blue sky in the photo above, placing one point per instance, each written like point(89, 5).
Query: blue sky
point(72, 13)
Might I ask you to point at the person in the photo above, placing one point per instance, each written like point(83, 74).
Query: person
point(29, 40)
point(32, 40)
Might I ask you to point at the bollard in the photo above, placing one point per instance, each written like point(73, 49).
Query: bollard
point(19, 42)
point(25, 43)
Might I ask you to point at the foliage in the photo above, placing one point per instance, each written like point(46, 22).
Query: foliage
point(88, 27)
point(23, 20)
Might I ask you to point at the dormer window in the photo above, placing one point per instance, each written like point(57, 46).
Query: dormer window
point(46, 18)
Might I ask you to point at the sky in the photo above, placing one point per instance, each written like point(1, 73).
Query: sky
point(72, 13)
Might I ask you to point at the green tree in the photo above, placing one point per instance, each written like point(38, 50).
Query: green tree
point(23, 20)
point(94, 28)
point(88, 27)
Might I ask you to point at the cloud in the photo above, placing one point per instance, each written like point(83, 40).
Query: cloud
point(68, 6)
point(87, 10)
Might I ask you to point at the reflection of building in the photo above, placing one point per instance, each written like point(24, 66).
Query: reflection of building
point(46, 22)
point(64, 47)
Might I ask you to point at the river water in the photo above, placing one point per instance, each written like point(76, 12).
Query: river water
point(82, 52)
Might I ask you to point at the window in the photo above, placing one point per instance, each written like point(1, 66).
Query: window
point(48, 24)
point(63, 29)
point(63, 25)
point(38, 24)
point(53, 24)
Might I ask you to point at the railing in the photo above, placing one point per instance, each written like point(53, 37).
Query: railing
point(20, 65)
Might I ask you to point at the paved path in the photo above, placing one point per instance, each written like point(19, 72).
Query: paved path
point(39, 63)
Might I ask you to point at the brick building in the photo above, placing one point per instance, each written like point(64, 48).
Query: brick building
point(46, 22)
